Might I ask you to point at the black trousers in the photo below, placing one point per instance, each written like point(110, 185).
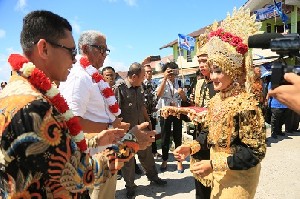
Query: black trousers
point(202, 192)
point(292, 121)
point(279, 117)
point(153, 123)
point(166, 125)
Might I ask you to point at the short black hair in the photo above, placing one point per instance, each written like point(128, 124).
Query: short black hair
point(135, 69)
point(42, 24)
point(171, 65)
point(108, 68)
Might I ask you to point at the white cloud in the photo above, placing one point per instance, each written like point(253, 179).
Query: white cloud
point(4, 68)
point(131, 2)
point(76, 27)
point(118, 66)
point(2, 33)
point(128, 2)
point(21, 4)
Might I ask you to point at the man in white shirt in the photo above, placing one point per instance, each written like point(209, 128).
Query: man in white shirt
point(170, 94)
point(89, 102)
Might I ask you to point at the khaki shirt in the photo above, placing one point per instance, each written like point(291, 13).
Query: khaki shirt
point(131, 101)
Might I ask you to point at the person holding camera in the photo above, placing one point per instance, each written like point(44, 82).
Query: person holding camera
point(288, 94)
point(170, 94)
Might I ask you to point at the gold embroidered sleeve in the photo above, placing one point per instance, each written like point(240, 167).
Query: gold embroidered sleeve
point(194, 146)
point(252, 131)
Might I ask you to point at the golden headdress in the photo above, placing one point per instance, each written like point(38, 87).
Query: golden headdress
point(203, 39)
point(228, 45)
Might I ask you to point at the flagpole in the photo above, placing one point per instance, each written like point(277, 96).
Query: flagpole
point(182, 76)
point(180, 63)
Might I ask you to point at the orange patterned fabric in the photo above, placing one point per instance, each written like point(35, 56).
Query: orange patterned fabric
point(39, 154)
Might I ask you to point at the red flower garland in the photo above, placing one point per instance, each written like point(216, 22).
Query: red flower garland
point(104, 87)
point(233, 40)
point(41, 82)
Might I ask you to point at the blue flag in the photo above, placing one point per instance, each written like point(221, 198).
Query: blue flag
point(278, 9)
point(186, 42)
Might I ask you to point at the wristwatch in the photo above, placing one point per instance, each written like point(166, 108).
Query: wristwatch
point(110, 126)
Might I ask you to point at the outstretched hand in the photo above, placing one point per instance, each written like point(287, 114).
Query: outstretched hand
point(109, 136)
point(181, 152)
point(144, 137)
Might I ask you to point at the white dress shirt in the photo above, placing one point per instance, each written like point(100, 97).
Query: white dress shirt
point(84, 98)
point(170, 95)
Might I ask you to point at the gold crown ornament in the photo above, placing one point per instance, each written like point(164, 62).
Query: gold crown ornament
point(227, 47)
point(203, 39)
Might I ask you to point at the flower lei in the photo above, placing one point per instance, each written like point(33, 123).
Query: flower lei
point(40, 81)
point(105, 89)
point(233, 40)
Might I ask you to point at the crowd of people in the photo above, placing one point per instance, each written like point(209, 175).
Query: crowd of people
point(69, 127)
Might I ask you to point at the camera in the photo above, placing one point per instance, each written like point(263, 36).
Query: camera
point(175, 71)
point(155, 58)
point(286, 46)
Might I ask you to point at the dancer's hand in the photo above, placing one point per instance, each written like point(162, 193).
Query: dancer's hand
point(202, 168)
point(144, 137)
point(181, 152)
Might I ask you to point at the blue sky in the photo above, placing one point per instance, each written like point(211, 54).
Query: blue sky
point(134, 28)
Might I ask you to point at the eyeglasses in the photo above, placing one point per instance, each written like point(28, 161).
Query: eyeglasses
point(150, 71)
point(102, 49)
point(72, 51)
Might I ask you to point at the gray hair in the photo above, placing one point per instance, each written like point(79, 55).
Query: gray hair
point(88, 37)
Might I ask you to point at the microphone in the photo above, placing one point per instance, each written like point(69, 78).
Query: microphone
point(262, 40)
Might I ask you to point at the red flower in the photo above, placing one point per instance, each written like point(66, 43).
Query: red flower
point(17, 61)
point(60, 103)
point(107, 92)
point(242, 48)
point(39, 80)
point(84, 62)
point(82, 145)
point(235, 41)
point(97, 77)
point(114, 108)
point(74, 126)
point(226, 37)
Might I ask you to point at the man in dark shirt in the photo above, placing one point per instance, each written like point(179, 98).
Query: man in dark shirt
point(150, 102)
point(131, 101)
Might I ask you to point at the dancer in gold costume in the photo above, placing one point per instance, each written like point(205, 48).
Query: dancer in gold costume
point(235, 131)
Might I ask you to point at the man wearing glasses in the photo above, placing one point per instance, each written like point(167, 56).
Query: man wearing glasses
point(43, 152)
point(87, 102)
